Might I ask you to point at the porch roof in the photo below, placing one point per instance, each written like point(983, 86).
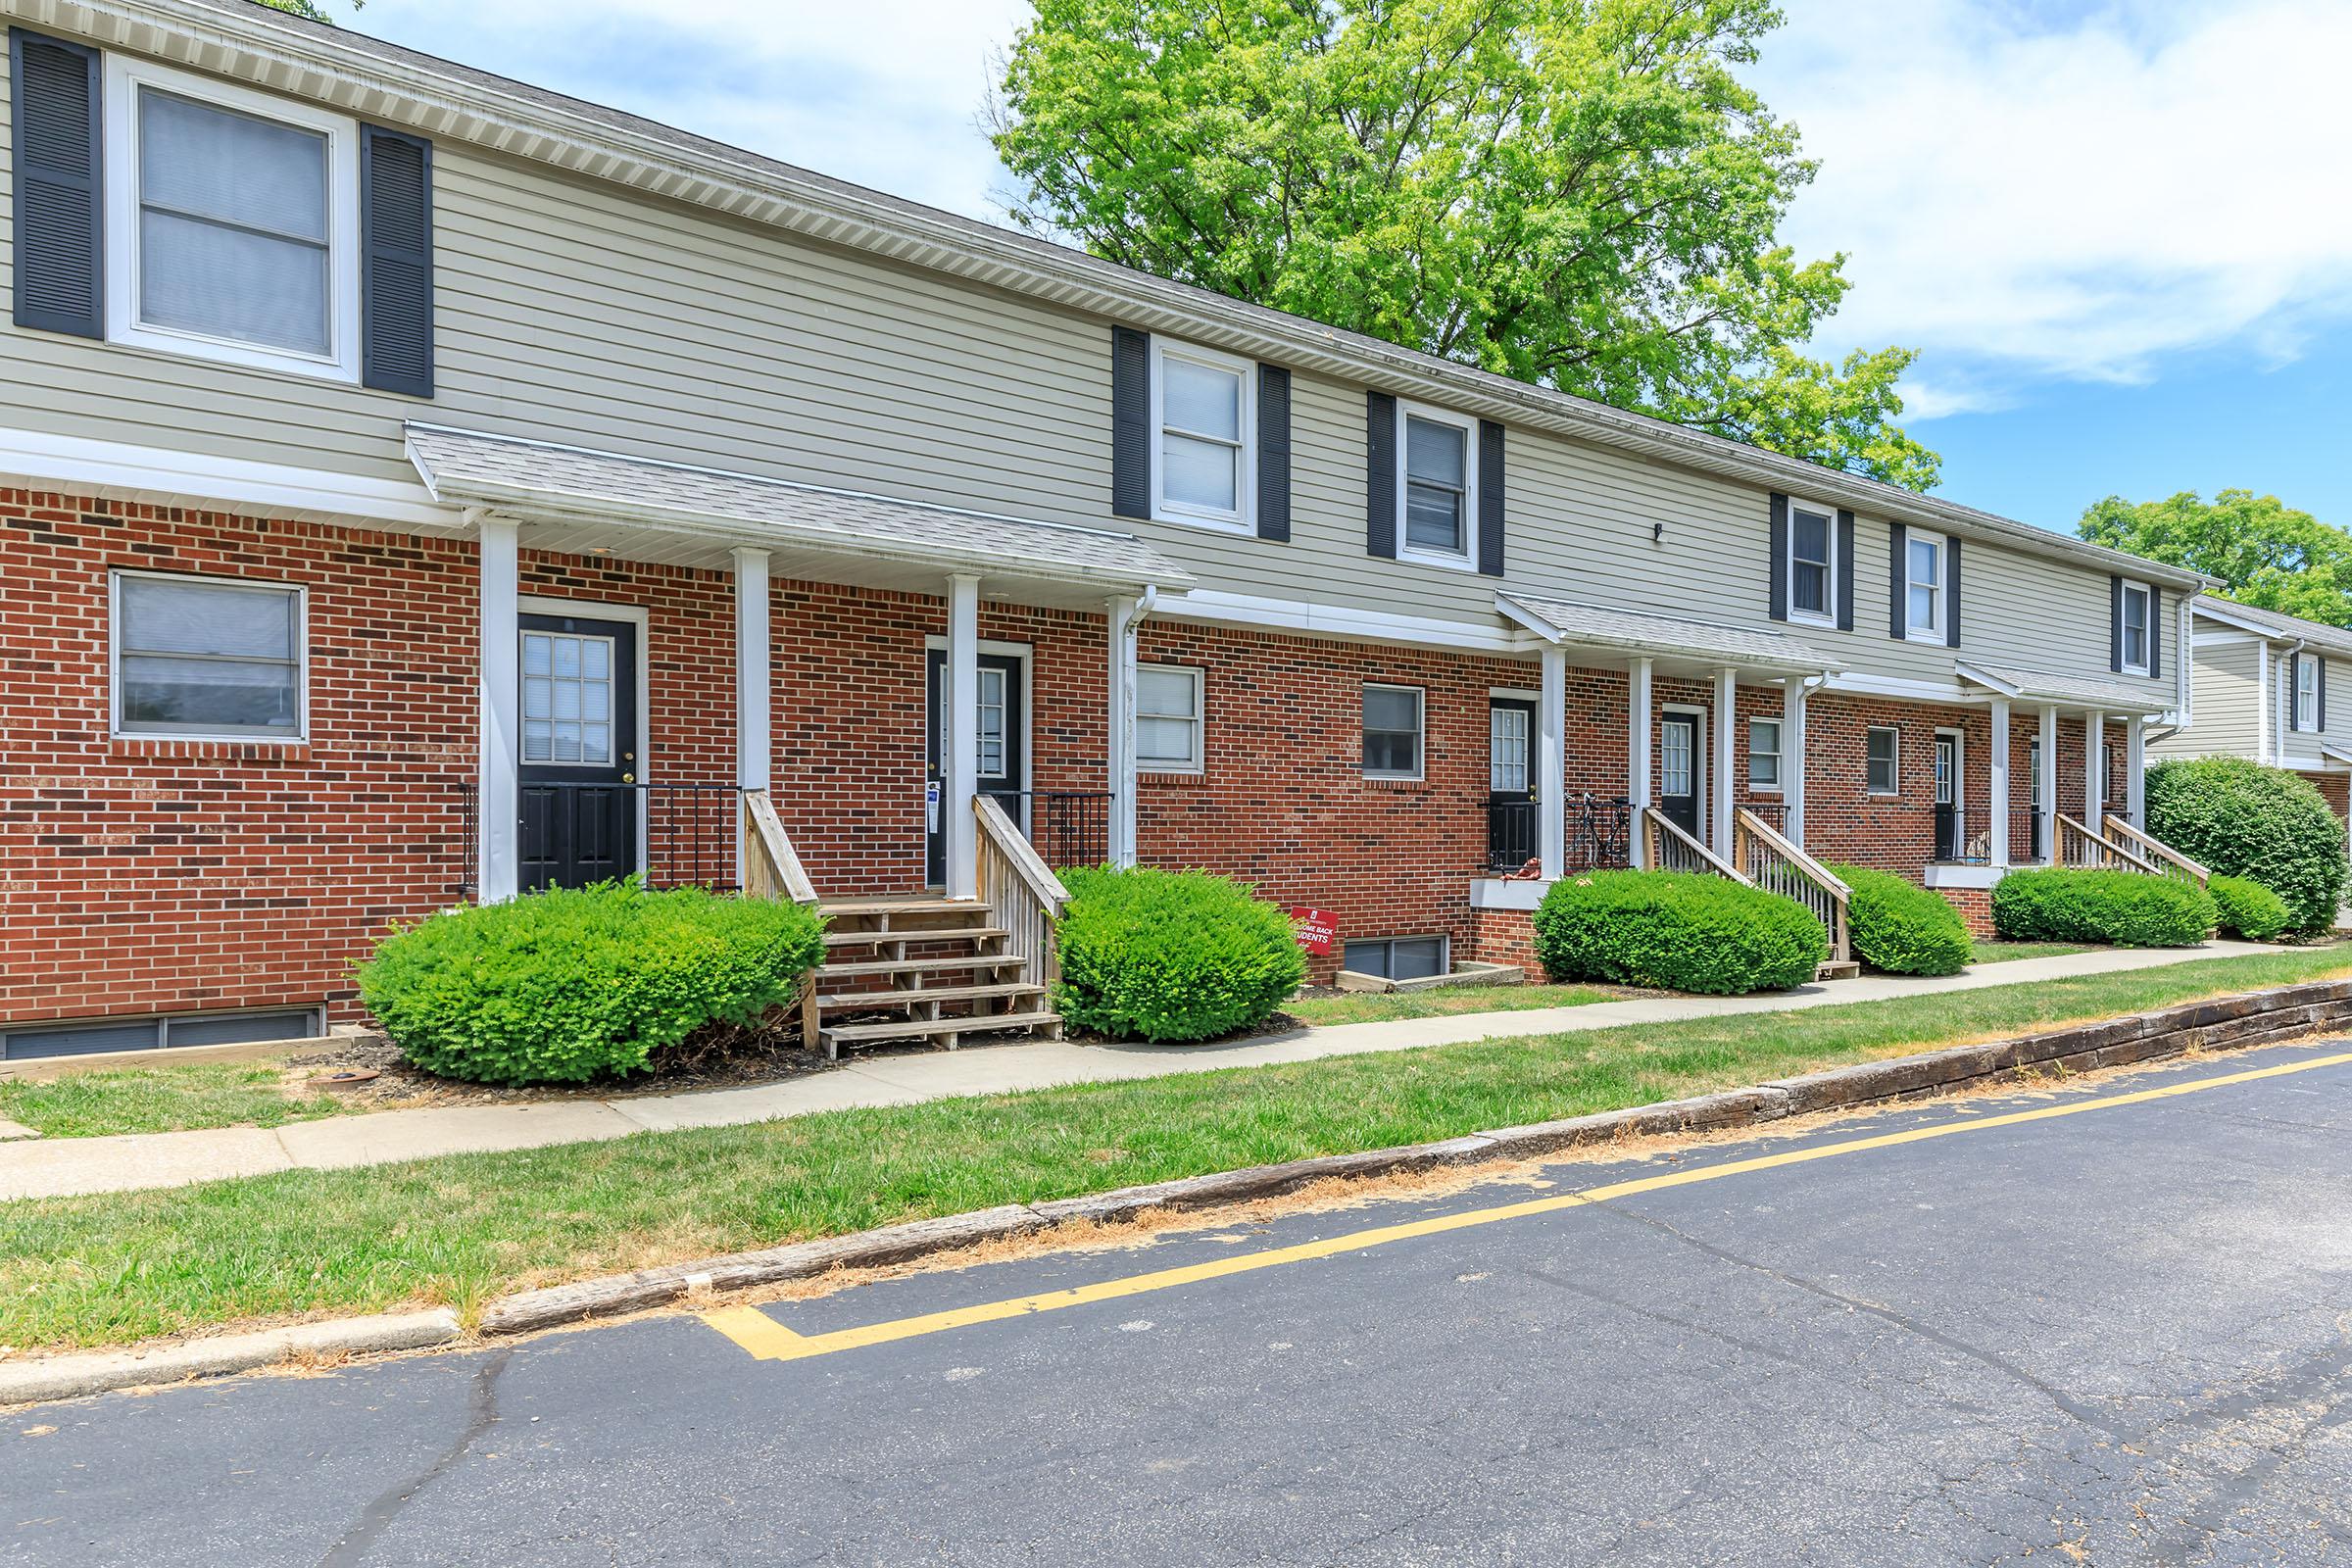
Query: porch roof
point(1640, 633)
point(2064, 691)
point(574, 498)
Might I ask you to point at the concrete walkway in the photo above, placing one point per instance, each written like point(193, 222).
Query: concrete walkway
point(63, 1166)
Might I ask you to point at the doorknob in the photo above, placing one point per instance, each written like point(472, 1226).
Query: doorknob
point(628, 778)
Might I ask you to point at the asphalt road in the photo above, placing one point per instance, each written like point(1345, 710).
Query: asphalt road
point(2118, 1334)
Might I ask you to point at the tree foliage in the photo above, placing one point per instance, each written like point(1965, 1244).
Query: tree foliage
point(2267, 552)
point(308, 10)
point(1579, 193)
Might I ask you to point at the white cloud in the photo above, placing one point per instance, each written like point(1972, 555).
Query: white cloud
point(2027, 196)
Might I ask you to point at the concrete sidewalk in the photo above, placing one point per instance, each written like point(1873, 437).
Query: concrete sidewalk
point(65, 1166)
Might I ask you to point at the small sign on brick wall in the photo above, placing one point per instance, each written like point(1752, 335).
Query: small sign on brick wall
point(1318, 929)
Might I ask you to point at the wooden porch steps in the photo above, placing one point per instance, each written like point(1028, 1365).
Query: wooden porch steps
point(924, 970)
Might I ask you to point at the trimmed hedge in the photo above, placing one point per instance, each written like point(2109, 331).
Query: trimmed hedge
point(2129, 909)
point(2248, 909)
point(2241, 818)
point(1901, 927)
point(1676, 931)
point(1171, 956)
point(579, 983)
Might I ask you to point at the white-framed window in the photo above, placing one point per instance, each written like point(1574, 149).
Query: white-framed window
point(567, 699)
point(1204, 436)
point(232, 223)
point(2307, 692)
point(1393, 719)
point(1168, 718)
point(1882, 756)
point(1399, 958)
point(1812, 563)
point(206, 657)
point(1925, 563)
point(1437, 487)
point(1764, 755)
point(2135, 608)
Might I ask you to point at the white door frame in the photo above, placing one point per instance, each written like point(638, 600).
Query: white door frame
point(639, 617)
point(1024, 655)
point(1698, 761)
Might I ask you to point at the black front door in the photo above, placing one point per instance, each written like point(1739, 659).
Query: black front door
point(579, 750)
point(1512, 788)
point(1947, 797)
point(2041, 846)
point(1677, 771)
point(1003, 750)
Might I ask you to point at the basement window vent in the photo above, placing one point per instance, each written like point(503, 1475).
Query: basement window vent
point(156, 1034)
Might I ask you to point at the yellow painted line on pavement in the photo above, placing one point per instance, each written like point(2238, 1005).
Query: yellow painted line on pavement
point(769, 1340)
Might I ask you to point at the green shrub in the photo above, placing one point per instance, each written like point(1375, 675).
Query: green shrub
point(573, 984)
point(2130, 908)
point(1677, 931)
point(1901, 927)
point(1172, 954)
point(2246, 908)
point(2241, 818)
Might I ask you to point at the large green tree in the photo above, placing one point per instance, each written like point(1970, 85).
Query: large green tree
point(2265, 551)
point(1580, 193)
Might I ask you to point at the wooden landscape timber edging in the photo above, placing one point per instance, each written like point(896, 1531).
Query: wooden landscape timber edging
point(2231, 1022)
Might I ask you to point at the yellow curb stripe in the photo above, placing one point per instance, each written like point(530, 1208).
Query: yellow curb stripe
point(769, 1340)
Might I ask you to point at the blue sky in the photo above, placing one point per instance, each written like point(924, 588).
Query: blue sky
point(2116, 229)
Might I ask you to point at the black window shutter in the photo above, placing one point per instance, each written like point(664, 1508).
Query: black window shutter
point(58, 170)
point(1130, 423)
point(1380, 474)
point(1273, 453)
point(1899, 581)
point(1780, 558)
point(2294, 691)
point(396, 262)
point(2156, 633)
point(2115, 624)
point(1846, 571)
point(1489, 497)
point(1951, 593)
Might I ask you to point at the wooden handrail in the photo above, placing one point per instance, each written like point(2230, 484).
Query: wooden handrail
point(772, 867)
point(2155, 849)
point(2108, 849)
point(1687, 849)
point(1023, 895)
point(1774, 863)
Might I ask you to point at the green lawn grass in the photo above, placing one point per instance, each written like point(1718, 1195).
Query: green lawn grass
point(1442, 1002)
point(162, 1098)
point(463, 1229)
point(1989, 951)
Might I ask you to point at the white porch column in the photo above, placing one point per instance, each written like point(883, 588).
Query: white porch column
point(1792, 760)
point(2094, 772)
point(1552, 763)
point(754, 738)
point(2135, 771)
point(1997, 815)
point(2049, 803)
point(1727, 696)
point(498, 875)
point(959, 778)
point(1123, 615)
point(1637, 748)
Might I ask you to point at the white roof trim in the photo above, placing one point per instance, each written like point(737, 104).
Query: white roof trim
point(1653, 634)
point(2064, 692)
point(390, 83)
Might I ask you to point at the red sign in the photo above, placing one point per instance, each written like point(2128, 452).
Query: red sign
point(1318, 929)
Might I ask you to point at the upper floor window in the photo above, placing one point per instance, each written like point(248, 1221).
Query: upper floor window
point(203, 656)
point(1437, 488)
point(1812, 565)
point(2307, 692)
point(2135, 612)
point(1203, 416)
point(1924, 573)
point(232, 223)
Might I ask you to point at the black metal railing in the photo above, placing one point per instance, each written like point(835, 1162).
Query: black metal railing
point(566, 834)
point(2028, 835)
point(1600, 833)
point(1515, 834)
point(1774, 814)
point(1066, 827)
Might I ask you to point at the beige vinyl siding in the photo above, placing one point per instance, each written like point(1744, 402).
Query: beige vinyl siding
point(2224, 705)
point(581, 312)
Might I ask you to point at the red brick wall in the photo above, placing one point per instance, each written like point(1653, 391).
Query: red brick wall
point(2335, 789)
point(1845, 823)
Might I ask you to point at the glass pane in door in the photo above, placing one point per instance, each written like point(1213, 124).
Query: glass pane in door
point(1673, 758)
point(1947, 758)
point(1506, 750)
